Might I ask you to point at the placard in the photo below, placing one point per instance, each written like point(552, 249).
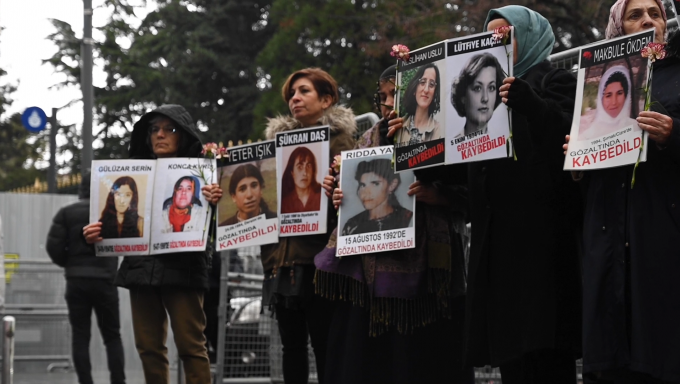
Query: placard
point(302, 160)
point(478, 123)
point(610, 94)
point(420, 142)
point(246, 215)
point(121, 195)
point(376, 213)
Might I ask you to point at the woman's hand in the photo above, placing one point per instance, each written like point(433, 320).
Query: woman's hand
point(394, 124)
point(657, 125)
point(212, 193)
point(426, 193)
point(92, 232)
point(518, 95)
point(565, 146)
point(329, 183)
point(337, 198)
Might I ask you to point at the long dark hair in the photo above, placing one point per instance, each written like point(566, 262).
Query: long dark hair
point(382, 168)
point(240, 173)
point(287, 182)
point(410, 103)
point(194, 197)
point(109, 214)
point(468, 75)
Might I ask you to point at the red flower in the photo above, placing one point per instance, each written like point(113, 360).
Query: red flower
point(587, 55)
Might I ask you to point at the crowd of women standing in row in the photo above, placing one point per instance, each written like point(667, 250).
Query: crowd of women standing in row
point(562, 265)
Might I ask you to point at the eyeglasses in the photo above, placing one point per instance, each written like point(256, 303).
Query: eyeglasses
point(167, 130)
point(425, 82)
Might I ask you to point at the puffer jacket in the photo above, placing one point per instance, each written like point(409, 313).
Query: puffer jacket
point(302, 249)
point(185, 269)
point(66, 245)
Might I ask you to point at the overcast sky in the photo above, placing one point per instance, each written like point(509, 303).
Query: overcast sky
point(24, 44)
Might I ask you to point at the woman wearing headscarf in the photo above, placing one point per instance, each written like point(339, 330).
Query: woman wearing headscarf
point(400, 313)
point(631, 261)
point(524, 297)
point(613, 104)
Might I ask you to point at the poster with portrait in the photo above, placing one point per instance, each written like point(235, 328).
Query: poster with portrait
point(302, 161)
point(121, 195)
point(672, 7)
point(376, 214)
point(246, 214)
point(180, 213)
point(611, 79)
point(478, 123)
point(420, 141)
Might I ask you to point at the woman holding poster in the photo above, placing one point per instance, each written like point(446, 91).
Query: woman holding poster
point(395, 308)
point(613, 104)
point(632, 234)
point(421, 103)
point(474, 93)
point(312, 95)
point(245, 188)
point(120, 218)
point(377, 183)
point(524, 295)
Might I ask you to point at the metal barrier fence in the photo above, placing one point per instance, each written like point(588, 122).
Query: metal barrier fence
point(35, 298)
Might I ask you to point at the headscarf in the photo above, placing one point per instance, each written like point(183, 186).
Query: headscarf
point(615, 25)
point(534, 35)
point(603, 123)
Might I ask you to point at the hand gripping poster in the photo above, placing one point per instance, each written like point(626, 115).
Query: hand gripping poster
point(246, 215)
point(180, 214)
point(478, 123)
point(302, 161)
point(610, 93)
point(121, 195)
point(376, 213)
point(420, 92)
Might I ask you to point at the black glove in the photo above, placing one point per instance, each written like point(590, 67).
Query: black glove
point(524, 100)
point(382, 129)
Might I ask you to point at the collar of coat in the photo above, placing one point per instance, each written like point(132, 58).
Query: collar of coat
point(339, 118)
point(673, 46)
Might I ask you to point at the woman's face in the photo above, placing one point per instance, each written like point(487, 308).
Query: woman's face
point(248, 195)
point(613, 98)
point(641, 15)
point(373, 190)
point(386, 92)
point(305, 103)
point(495, 23)
point(302, 173)
point(122, 198)
point(184, 194)
point(480, 97)
point(426, 87)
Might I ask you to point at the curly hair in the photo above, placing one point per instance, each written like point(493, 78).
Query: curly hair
point(410, 103)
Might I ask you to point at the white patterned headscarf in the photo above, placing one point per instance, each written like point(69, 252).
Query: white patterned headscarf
point(615, 25)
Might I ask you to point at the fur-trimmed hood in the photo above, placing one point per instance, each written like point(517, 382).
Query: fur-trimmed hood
point(339, 118)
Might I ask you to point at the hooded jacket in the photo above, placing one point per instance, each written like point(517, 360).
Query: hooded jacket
point(186, 269)
point(302, 249)
point(66, 245)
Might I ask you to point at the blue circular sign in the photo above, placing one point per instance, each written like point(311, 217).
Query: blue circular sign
point(34, 119)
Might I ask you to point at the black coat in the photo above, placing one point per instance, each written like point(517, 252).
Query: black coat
point(632, 253)
point(186, 269)
point(524, 278)
point(67, 248)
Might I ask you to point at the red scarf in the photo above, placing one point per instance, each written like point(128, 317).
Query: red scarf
point(178, 217)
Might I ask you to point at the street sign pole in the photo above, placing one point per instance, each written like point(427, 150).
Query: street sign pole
point(52, 170)
point(86, 85)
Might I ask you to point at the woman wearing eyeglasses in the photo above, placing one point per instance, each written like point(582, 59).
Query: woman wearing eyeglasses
point(421, 103)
